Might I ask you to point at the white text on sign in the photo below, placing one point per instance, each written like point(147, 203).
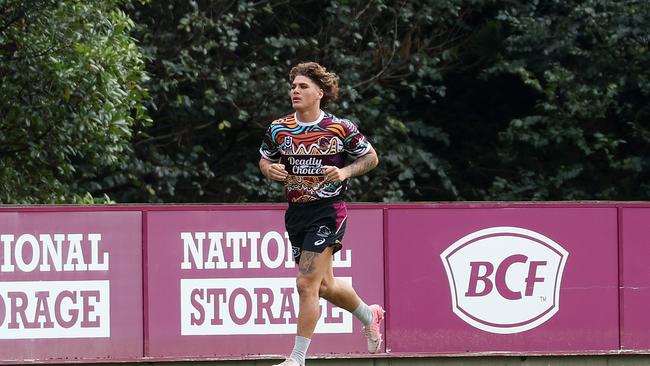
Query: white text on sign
point(228, 306)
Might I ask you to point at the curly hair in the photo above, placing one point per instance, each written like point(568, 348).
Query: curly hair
point(328, 81)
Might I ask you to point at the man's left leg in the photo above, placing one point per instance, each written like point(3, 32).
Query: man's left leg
point(343, 295)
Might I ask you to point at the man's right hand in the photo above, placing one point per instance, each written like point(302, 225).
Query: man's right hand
point(273, 171)
point(276, 172)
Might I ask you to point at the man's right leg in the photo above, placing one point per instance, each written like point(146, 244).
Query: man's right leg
point(312, 268)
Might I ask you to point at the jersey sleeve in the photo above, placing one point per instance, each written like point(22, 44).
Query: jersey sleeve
point(355, 143)
point(269, 148)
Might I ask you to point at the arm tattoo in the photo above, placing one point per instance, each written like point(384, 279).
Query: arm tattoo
point(306, 264)
point(363, 164)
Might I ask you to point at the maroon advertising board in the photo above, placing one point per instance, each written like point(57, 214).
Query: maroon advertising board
point(635, 279)
point(511, 279)
point(70, 285)
point(221, 283)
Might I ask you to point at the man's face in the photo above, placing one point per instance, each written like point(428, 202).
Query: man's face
point(305, 94)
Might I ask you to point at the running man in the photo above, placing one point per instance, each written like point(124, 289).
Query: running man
point(307, 151)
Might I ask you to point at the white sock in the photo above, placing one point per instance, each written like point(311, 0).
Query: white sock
point(300, 349)
point(364, 313)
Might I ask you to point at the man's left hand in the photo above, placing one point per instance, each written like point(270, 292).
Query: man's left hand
point(334, 174)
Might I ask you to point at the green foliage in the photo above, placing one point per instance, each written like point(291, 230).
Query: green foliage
point(584, 138)
point(88, 199)
point(462, 99)
point(219, 76)
point(70, 96)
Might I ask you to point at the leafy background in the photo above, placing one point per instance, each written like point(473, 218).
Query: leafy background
point(166, 101)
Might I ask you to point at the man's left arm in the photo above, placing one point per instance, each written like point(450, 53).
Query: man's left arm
point(360, 166)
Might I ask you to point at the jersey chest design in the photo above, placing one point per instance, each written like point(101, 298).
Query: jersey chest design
point(305, 149)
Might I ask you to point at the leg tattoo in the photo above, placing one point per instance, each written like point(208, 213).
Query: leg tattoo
point(306, 264)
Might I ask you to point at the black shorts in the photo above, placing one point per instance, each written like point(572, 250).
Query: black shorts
point(314, 226)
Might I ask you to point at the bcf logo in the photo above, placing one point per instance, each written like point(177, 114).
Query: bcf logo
point(505, 279)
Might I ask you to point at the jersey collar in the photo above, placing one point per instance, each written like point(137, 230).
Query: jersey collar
point(317, 121)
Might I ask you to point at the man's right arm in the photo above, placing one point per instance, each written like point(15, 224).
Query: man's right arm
point(274, 171)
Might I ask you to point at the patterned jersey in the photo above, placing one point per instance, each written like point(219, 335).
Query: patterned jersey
point(304, 148)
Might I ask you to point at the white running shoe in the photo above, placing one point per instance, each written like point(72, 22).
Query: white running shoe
point(373, 330)
point(289, 362)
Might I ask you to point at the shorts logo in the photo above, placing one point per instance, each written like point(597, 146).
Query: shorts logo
point(324, 231)
point(505, 280)
point(295, 251)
